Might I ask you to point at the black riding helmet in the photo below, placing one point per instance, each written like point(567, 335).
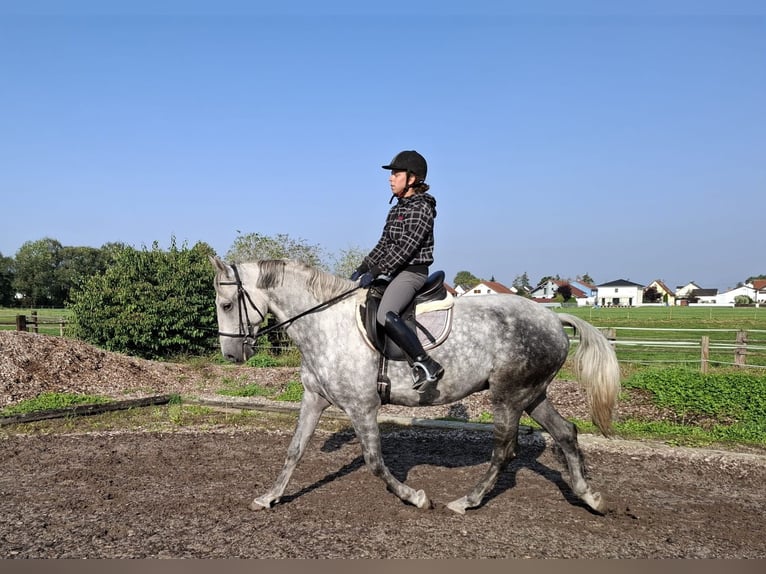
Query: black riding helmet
point(410, 161)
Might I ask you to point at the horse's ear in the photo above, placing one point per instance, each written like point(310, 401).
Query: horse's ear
point(219, 266)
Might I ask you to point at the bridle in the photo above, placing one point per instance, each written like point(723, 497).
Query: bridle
point(247, 330)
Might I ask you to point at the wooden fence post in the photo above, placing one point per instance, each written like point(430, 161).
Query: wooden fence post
point(21, 322)
point(740, 353)
point(35, 327)
point(705, 343)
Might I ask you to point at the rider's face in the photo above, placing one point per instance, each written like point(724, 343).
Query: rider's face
point(398, 181)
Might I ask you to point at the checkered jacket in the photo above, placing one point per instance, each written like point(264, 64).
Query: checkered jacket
point(407, 238)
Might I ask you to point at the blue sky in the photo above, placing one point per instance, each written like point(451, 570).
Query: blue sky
point(619, 139)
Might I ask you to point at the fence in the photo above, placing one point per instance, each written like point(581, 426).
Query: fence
point(33, 323)
point(706, 347)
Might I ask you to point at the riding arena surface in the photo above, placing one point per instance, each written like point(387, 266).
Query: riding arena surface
point(185, 493)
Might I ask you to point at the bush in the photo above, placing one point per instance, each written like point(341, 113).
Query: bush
point(149, 303)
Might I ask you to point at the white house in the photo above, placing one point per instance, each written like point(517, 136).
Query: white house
point(547, 291)
point(755, 290)
point(489, 288)
point(685, 291)
point(620, 293)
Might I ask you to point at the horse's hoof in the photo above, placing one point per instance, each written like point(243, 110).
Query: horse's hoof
point(458, 505)
point(595, 501)
point(259, 504)
point(421, 500)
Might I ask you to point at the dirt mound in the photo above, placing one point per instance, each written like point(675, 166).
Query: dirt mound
point(31, 364)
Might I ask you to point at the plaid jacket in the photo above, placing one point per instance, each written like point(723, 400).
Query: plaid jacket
point(407, 238)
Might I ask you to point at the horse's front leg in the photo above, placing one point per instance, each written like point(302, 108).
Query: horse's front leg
point(312, 407)
point(368, 432)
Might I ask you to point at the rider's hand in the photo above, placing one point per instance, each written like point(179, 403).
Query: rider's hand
point(356, 275)
point(365, 279)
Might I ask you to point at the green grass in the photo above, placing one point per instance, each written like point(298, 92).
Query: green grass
point(676, 317)
point(292, 393)
point(726, 408)
point(52, 401)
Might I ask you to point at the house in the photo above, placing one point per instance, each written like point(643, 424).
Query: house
point(683, 291)
point(667, 296)
point(756, 291)
point(704, 296)
point(489, 288)
point(729, 297)
point(545, 292)
point(620, 293)
point(759, 286)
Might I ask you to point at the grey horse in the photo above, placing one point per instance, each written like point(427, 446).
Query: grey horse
point(505, 343)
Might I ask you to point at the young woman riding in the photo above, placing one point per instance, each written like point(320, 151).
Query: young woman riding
point(401, 258)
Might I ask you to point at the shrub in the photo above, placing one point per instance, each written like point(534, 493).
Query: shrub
point(149, 303)
point(739, 397)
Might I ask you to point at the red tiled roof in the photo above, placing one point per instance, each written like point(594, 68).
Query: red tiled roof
point(496, 287)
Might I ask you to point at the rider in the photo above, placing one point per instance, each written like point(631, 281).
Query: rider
point(401, 258)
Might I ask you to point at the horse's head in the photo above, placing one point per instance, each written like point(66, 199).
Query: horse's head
point(238, 310)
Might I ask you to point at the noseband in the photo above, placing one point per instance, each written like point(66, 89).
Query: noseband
point(247, 329)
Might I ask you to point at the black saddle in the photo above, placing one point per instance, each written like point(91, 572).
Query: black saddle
point(432, 290)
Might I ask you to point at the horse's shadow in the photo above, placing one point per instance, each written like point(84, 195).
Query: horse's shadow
point(434, 449)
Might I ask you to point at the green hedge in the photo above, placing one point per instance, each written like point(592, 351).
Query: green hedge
point(149, 303)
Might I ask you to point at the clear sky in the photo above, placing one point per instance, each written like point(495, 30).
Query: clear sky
point(626, 140)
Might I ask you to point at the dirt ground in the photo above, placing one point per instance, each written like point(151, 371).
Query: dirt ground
point(185, 493)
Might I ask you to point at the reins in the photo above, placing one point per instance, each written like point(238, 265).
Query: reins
point(247, 328)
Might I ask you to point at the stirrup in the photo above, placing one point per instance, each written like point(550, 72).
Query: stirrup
point(422, 377)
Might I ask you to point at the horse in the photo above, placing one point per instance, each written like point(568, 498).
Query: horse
point(505, 343)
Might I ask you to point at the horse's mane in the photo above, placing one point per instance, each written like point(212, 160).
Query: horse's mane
point(322, 285)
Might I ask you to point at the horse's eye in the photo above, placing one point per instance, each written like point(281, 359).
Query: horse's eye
point(226, 307)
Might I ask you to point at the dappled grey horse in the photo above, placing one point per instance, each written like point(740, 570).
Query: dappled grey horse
point(505, 343)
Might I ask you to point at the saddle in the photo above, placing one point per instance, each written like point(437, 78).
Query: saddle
point(429, 315)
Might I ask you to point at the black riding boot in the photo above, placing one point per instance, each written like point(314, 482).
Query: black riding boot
point(424, 369)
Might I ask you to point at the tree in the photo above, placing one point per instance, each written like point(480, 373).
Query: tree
point(522, 282)
point(75, 265)
point(347, 261)
point(565, 291)
point(149, 303)
point(7, 272)
point(586, 279)
point(254, 246)
point(651, 295)
point(466, 279)
point(35, 279)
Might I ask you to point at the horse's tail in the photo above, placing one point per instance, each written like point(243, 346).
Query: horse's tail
point(597, 369)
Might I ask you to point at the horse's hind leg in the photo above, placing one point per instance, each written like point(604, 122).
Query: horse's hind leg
point(565, 434)
point(505, 442)
point(366, 428)
point(312, 407)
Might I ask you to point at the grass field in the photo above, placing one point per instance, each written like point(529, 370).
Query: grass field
point(673, 335)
